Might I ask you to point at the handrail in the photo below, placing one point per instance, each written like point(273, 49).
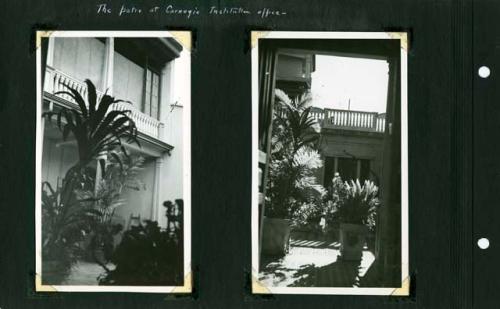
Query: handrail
point(55, 81)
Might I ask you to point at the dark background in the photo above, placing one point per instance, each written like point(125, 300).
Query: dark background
point(447, 158)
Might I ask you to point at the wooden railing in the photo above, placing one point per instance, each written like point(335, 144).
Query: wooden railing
point(55, 81)
point(347, 120)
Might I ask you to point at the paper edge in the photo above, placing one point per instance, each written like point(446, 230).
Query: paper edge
point(39, 287)
point(183, 37)
point(187, 287)
point(42, 34)
point(402, 36)
point(256, 35)
point(258, 287)
point(404, 290)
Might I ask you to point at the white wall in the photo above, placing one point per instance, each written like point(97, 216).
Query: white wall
point(175, 117)
point(56, 161)
point(139, 202)
point(81, 58)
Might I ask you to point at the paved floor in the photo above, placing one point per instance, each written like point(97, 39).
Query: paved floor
point(312, 263)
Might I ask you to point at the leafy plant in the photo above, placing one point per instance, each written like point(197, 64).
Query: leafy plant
point(335, 196)
point(65, 224)
point(96, 127)
point(293, 158)
point(106, 198)
point(360, 203)
point(308, 216)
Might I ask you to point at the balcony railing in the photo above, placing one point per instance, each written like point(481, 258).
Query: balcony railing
point(351, 120)
point(348, 120)
point(55, 81)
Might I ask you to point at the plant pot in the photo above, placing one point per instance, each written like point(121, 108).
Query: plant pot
point(352, 241)
point(275, 236)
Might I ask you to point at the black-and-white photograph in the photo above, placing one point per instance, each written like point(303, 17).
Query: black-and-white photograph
point(113, 161)
point(329, 163)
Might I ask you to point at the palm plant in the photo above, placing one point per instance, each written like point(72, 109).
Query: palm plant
point(293, 157)
point(98, 129)
point(294, 127)
point(106, 198)
point(95, 126)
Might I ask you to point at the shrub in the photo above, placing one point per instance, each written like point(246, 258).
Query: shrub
point(148, 255)
point(360, 203)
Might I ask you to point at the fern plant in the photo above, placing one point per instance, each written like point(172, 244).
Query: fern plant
point(360, 203)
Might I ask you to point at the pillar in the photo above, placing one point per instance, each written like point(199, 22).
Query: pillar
point(155, 208)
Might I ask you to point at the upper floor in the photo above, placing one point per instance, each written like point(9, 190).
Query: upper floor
point(294, 72)
point(142, 71)
point(341, 119)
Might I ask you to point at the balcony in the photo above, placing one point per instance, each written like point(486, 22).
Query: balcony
point(55, 81)
point(349, 120)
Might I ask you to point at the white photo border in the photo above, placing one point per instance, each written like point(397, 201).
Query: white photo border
point(187, 287)
point(258, 287)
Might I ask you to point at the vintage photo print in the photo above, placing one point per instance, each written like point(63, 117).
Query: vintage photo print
point(329, 163)
point(113, 170)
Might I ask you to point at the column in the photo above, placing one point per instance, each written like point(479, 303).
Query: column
point(48, 80)
point(110, 59)
point(155, 208)
point(98, 173)
point(50, 52)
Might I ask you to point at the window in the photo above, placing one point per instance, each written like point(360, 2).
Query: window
point(137, 77)
point(151, 93)
point(348, 168)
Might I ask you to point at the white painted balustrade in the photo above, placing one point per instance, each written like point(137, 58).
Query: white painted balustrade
point(347, 119)
point(55, 81)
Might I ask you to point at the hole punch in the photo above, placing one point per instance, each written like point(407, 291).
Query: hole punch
point(483, 243)
point(484, 72)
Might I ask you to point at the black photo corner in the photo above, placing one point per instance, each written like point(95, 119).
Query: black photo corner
point(249, 154)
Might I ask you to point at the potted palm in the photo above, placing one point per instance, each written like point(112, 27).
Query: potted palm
point(291, 170)
point(356, 214)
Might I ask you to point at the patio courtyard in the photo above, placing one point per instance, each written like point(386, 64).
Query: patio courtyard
point(315, 263)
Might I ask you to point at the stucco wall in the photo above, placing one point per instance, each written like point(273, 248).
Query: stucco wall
point(56, 161)
point(175, 118)
point(139, 202)
point(361, 146)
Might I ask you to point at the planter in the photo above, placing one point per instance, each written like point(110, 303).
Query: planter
point(352, 241)
point(275, 236)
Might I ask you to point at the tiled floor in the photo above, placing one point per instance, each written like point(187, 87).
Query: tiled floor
point(312, 263)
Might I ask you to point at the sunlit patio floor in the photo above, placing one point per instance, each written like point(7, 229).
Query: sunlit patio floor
point(311, 263)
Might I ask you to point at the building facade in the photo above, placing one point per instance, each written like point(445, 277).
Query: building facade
point(351, 142)
point(151, 73)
